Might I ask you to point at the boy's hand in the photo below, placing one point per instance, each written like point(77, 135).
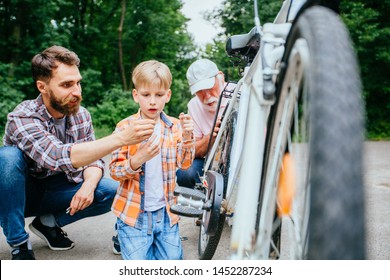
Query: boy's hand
point(187, 125)
point(146, 151)
point(137, 131)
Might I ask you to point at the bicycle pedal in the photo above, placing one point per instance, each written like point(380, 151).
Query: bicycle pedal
point(186, 211)
point(189, 193)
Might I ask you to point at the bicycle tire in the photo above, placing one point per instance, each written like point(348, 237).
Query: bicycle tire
point(207, 245)
point(331, 110)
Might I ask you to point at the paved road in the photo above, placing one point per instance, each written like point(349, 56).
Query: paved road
point(93, 235)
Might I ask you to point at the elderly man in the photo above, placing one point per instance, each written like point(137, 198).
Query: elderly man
point(206, 83)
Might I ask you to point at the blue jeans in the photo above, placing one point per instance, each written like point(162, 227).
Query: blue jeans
point(25, 196)
point(157, 240)
point(189, 177)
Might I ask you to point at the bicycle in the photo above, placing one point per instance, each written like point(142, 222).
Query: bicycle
point(287, 160)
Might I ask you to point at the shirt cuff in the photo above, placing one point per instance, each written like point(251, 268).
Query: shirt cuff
point(130, 170)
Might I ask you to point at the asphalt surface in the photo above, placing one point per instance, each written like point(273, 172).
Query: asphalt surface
point(92, 236)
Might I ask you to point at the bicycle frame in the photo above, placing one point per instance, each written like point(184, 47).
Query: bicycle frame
point(274, 162)
point(249, 141)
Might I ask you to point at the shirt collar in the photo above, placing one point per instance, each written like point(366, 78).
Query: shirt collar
point(163, 117)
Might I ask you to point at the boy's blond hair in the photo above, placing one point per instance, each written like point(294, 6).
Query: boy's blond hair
point(152, 72)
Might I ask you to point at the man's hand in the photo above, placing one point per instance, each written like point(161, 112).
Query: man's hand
point(82, 199)
point(216, 128)
point(87, 152)
point(137, 131)
point(202, 143)
point(85, 195)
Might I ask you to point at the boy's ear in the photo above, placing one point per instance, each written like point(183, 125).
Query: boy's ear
point(169, 93)
point(135, 95)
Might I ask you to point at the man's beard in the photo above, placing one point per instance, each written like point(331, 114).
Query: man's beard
point(213, 108)
point(209, 108)
point(63, 106)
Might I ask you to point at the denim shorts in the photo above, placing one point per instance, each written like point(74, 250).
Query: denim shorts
point(157, 240)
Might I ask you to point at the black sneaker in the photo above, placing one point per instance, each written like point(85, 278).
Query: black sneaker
point(116, 247)
point(55, 237)
point(22, 252)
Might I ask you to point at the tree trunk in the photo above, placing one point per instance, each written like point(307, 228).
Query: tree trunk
point(120, 29)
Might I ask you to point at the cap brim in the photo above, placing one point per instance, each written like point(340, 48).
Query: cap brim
point(201, 85)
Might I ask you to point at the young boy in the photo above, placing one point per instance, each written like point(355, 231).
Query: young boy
point(146, 171)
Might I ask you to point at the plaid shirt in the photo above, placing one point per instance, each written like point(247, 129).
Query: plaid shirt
point(30, 127)
point(130, 197)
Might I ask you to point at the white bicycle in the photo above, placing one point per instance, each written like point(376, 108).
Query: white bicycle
point(286, 165)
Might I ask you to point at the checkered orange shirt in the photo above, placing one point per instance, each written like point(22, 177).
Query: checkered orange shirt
point(130, 197)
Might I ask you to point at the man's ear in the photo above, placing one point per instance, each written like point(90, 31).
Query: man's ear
point(41, 86)
point(135, 95)
point(221, 76)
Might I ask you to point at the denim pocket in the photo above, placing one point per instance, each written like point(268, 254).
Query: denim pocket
point(133, 241)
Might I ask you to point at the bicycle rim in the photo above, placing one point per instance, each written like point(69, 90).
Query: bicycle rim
point(317, 119)
point(207, 244)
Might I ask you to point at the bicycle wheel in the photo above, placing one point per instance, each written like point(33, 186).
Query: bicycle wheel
point(207, 244)
point(318, 120)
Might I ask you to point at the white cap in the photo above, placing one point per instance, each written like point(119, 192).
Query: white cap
point(201, 75)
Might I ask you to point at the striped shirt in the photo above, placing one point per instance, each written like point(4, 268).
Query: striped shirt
point(129, 201)
point(30, 127)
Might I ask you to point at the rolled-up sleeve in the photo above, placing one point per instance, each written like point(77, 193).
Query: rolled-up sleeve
point(120, 168)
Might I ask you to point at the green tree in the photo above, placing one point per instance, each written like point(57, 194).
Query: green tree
point(369, 26)
point(149, 30)
point(235, 17)
point(9, 95)
point(25, 27)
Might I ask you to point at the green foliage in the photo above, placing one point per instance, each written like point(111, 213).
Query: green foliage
point(151, 30)
point(10, 96)
point(369, 25)
point(179, 98)
point(157, 30)
point(236, 17)
point(101, 132)
point(115, 106)
point(92, 87)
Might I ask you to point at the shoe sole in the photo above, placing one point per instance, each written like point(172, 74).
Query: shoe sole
point(40, 235)
point(115, 252)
